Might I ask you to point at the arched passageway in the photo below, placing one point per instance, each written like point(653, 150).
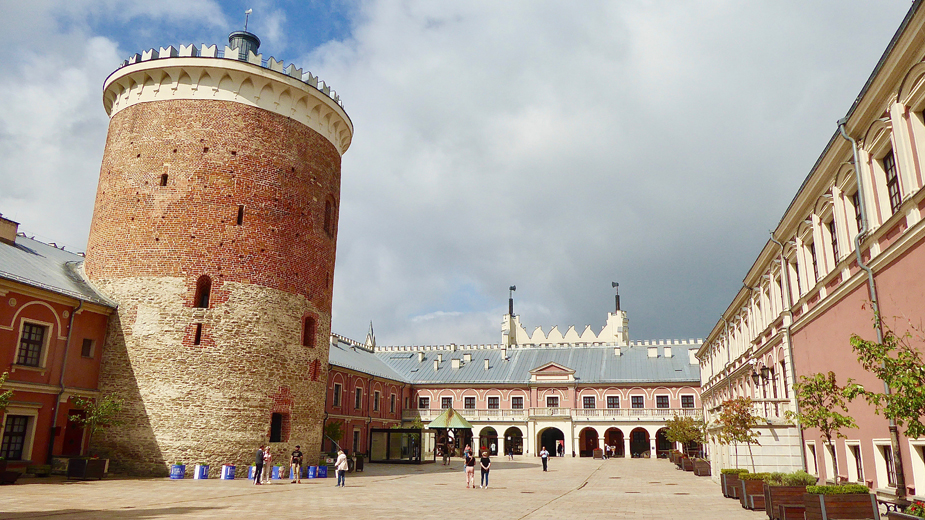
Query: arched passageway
point(639, 443)
point(587, 442)
point(488, 441)
point(662, 444)
point(513, 441)
point(550, 438)
point(614, 437)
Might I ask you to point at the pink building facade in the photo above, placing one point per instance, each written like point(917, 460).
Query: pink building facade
point(852, 239)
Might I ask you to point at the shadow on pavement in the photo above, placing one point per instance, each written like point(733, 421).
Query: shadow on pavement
point(114, 513)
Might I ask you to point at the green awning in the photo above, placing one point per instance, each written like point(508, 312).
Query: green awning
point(449, 419)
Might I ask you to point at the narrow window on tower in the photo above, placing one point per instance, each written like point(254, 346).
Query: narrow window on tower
point(308, 332)
point(163, 179)
point(203, 290)
point(197, 338)
point(240, 215)
point(329, 217)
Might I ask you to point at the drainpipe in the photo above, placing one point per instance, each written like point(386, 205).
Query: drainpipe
point(874, 303)
point(54, 418)
point(785, 294)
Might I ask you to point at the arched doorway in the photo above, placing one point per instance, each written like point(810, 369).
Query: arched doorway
point(488, 440)
point(662, 444)
point(513, 440)
point(587, 442)
point(614, 437)
point(639, 443)
point(550, 438)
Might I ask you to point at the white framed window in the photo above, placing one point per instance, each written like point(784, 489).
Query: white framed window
point(18, 433)
point(917, 454)
point(661, 401)
point(517, 403)
point(423, 403)
point(552, 401)
point(588, 402)
point(469, 403)
point(830, 458)
point(883, 463)
point(687, 401)
point(33, 343)
point(446, 402)
point(854, 462)
point(494, 403)
point(811, 464)
point(637, 401)
point(336, 397)
point(613, 401)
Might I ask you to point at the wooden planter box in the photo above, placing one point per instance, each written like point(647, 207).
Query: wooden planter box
point(730, 483)
point(687, 464)
point(791, 512)
point(751, 494)
point(673, 457)
point(86, 468)
point(702, 468)
point(776, 496)
point(893, 515)
point(831, 507)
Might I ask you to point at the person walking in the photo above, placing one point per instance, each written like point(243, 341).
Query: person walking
point(470, 470)
point(485, 464)
point(267, 465)
point(510, 452)
point(258, 465)
point(341, 467)
point(295, 465)
point(545, 456)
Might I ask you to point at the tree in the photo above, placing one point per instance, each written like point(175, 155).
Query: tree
point(737, 424)
point(98, 414)
point(4, 396)
point(334, 431)
point(902, 367)
point(684, 430)
point(820, 398)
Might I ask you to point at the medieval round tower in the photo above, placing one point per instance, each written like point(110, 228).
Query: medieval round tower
point(214, 228)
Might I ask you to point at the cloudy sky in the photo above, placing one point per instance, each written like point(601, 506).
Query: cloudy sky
point(557, 146)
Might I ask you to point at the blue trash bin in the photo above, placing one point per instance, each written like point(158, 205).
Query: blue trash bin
point(322, 472)
point(228, 472)
point(177, 471)
point(202, 472)
point(312, 472)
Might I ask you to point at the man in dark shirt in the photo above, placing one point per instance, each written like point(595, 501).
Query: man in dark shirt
point(259, 463)
point(295, 465)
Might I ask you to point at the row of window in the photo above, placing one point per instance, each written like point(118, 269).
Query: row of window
point(587, 402)
point(358, 399)
point(885, 469)
point(32, 345)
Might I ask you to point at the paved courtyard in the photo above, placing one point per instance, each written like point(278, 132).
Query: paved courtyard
point(573, 488)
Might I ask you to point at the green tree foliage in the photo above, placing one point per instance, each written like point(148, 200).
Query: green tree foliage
point(820, 400)
point(99, 414)
point(737, 424)
point(684, 430)
point(334, 431)
point(4, 396)
point(901, 366)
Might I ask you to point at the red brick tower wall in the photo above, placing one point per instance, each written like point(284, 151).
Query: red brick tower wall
point(193, 188)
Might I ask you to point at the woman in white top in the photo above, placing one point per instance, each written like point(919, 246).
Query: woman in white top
point(341, 467)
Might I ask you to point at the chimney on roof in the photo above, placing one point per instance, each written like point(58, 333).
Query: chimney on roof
point(8, 230)
point(455, 363)
point(667, 351)
point(420, 357)
point(436, 365)
point(691, 353)
point(440, 357)
point(653, 351)
point(467, 357)
point(486, 363)
point(616, 351)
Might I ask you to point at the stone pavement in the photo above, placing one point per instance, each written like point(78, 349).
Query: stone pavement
point(572, 488)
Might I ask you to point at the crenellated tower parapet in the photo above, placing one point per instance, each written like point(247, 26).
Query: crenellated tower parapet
point(229, 74)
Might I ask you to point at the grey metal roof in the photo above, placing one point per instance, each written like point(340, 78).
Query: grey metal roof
point(40, 265)
point(591, 365)
point(356, 357)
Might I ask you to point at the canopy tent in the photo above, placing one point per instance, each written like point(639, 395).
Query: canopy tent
point(450, 419)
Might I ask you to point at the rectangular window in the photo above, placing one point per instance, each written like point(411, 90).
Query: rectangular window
point(469, 403)
point(30, 345)
point(890, 469)
point(637, 401)
point(892, 181)
point(856, 202)
point(552, 401)
point(423, 403)
point(337, 390)
point(661, 401)
point(356, 441)
point(494, 403)
point(613, 401)
point(14, 437)
point(86, 349)
point(376, 398)
point(687, 401)
point(446, 402)
point(517, 403)
point(812, 255)
point(834, 238)
point(391, 403)
point(358, 399)
point(858, 463)
point(811, 455)
point(588, 402)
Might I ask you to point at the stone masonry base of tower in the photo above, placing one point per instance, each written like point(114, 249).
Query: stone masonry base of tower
point(184, 407)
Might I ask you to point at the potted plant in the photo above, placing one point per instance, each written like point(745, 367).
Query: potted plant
point(786, 490)
point(915, 511)
point(729, 478)
point(98, 415)
point(844, 501)
point(737, 424)
point(177, 471)
point(702, 468)
point(684, 430)
point(751, 492)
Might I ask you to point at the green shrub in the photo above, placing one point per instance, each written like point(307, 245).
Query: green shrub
point(799, 478)
point(847, 489)
point(775, 479)
point(733, 471)
point(755, 476)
